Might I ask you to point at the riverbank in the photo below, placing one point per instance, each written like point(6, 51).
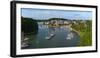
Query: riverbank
point(85, 38)
point(85, 32)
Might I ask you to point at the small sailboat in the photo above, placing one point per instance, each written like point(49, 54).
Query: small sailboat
point(24, 45)
point(70, 36)
point(50, 36)
point(26, 39)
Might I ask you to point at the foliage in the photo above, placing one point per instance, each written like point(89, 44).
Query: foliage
point(85, 31)
point(29, 25)
point(57, 19)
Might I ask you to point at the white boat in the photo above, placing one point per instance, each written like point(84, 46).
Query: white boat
point(49, 37)
point(24, 45)
point(70, 36)
point(26, 39)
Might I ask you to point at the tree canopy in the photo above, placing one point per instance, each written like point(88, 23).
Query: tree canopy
point(29, 25)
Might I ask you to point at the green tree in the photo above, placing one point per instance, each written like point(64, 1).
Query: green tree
point(29, 25)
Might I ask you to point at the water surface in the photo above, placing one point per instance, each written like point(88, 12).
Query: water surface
point(59, 40)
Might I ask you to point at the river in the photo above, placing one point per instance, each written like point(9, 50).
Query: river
point(63, 37)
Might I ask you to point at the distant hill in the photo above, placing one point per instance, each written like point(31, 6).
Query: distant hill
point(58, 19)
point(52, 19)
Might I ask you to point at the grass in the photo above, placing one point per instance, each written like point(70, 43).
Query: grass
point(85, 38)
point(85, 32)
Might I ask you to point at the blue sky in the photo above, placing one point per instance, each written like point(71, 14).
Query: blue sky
point(42, 14)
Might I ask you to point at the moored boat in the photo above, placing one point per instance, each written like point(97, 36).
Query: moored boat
point(49, 37)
